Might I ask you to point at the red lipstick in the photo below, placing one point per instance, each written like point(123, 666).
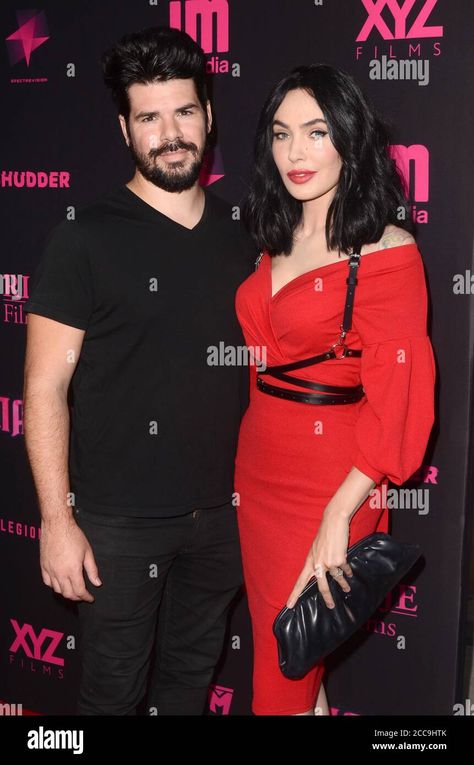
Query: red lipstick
point(301, 176)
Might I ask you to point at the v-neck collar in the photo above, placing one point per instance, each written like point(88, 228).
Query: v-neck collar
point(152, 214)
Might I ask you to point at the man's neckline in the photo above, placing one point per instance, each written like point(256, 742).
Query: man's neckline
point(152, 212)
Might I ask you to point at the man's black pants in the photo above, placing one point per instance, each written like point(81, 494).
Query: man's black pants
point(183, 570)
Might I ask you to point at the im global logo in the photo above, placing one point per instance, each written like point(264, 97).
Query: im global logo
point(31, 33)
point(208, 23)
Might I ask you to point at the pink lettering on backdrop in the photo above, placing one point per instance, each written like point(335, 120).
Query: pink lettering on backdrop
point(419, 178)
point(32, 644)
point(29, 179)
point(205, 11)
point(19, 529)
point(14, 286)
point(220, 699)
point(401, 601)
point(16, 418)
point(400, 14)
point(426, 474)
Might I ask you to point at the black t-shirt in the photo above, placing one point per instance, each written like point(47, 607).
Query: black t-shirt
point(153, 425)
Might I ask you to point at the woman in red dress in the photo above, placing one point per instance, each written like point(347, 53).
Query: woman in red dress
point(324, 188)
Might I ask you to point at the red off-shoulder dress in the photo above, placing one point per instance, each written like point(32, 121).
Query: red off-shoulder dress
point(292, 456)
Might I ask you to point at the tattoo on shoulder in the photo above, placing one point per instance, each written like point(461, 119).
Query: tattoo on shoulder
point(395, 238)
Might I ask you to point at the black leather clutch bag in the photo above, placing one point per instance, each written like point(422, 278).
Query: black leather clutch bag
point(310, 630)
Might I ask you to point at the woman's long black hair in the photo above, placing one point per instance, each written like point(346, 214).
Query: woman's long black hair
point(370, 192)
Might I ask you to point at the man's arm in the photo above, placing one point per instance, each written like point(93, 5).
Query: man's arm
point(52, 353)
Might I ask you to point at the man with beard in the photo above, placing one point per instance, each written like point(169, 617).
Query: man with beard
point(127, 303)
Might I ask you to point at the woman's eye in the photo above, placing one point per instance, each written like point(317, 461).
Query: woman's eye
point(318, 133)
point(279, 136)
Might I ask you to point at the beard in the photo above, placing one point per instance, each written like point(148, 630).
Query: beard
point(179, 175)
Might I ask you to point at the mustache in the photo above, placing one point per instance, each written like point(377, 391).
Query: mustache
point(174, 146)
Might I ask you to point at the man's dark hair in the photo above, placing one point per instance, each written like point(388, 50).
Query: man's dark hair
point(152, 55)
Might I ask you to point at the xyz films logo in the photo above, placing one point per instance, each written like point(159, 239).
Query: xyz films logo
point(33, 647)
point(402, 39)
point(401, 28)
point(207, 22)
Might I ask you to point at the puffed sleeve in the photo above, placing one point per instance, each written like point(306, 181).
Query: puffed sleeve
point(397, 365)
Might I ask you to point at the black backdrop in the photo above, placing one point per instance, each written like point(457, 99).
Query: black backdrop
point(58, 118)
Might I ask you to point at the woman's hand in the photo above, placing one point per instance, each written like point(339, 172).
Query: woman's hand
point(327, 553)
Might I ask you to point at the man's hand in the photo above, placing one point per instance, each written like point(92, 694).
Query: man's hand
point(64, 552)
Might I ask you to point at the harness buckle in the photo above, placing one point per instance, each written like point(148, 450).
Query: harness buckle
point(340, 344)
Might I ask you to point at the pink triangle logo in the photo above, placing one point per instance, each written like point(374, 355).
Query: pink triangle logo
point(31, 33)
point(212, 169)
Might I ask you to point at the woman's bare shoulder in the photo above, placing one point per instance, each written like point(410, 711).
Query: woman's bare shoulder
point(393, 236)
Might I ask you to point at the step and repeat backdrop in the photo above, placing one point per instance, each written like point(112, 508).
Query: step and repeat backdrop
point(62, 147)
